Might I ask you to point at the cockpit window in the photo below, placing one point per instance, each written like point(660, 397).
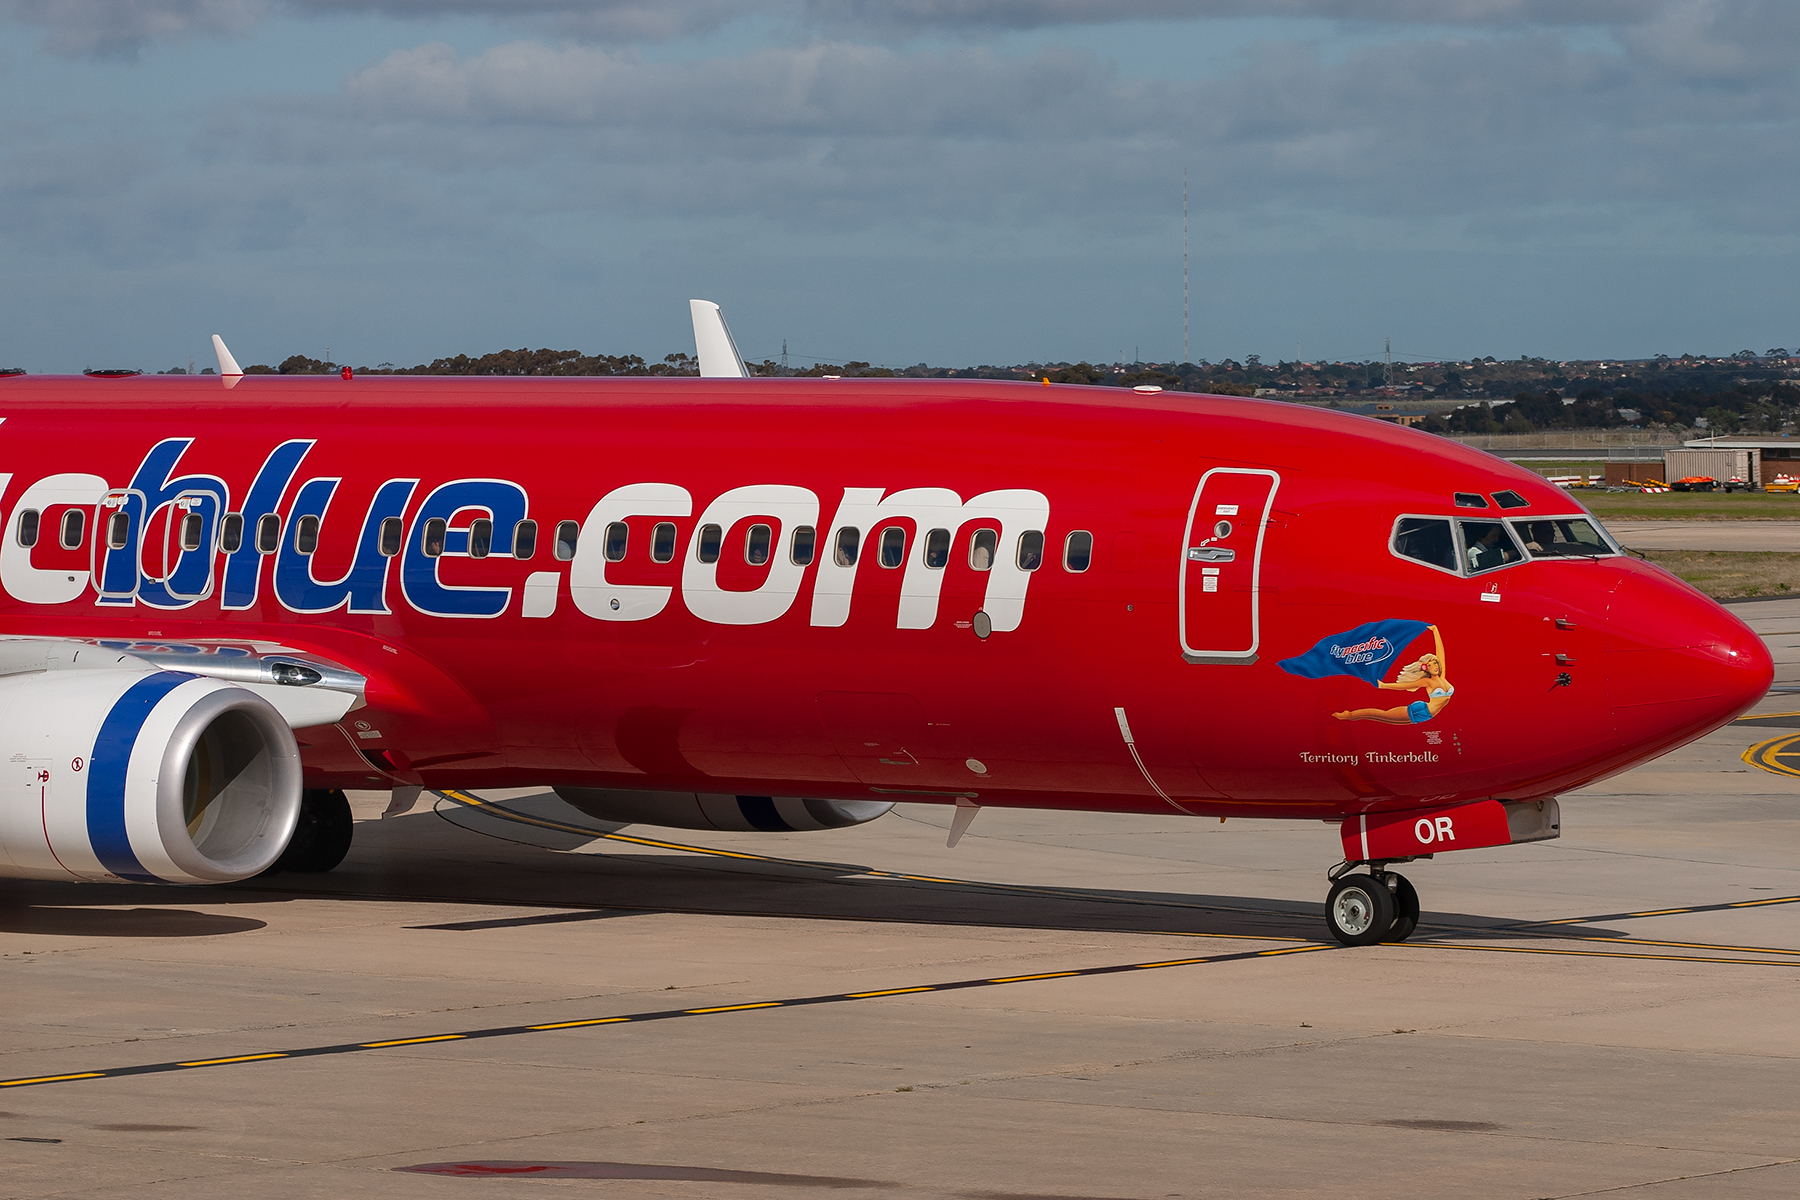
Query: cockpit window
point(1469, 500)
point(1562, 537)
point(1486, 546)
point(1426, 539)
point(1510, 499)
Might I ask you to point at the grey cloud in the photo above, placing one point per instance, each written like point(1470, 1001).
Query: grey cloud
point(119, 28)
point(1434, 130)
point(649, 19)
point(827, 88)
point(526, 183)
point(926, 16)
point(1516, 139)
point(603, 20)
point(1720, 39)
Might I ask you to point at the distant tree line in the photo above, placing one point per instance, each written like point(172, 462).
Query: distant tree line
point(501, 362)
point(1740, 408)
point(1742, 392)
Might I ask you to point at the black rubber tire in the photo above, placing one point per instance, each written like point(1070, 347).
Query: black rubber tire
point(321, 836)
point(1406, 909)
point(1359, 910)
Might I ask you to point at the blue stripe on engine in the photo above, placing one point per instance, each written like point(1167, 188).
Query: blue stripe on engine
point(106, 773)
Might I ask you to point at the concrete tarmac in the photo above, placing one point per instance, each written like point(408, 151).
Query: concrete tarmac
point(1707, 535)
point(1645, 1043)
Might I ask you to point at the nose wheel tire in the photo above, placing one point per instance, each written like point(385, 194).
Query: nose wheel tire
point(321, 836)
point(1406, 909)
point(1360, 910)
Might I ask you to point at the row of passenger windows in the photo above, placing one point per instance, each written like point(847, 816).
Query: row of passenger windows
point(984, 544)
point(192, 531)
point(118, 530)
point(74, 528)
point(1475, 547)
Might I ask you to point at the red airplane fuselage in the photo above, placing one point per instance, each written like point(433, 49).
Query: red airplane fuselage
point(1001, 660)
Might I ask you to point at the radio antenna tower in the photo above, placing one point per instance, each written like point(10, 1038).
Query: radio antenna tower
point(1185, 356)
point(1388, 372)
point(784, 366)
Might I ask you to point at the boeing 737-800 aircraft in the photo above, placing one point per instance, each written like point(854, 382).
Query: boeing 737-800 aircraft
point(788, 604)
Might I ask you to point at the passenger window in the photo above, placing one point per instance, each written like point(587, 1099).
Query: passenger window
point(268, 533)
point(481, 537)
point(432, 541)
point(1470, 500)
point(937, 549)
point(566, 534)
point(618, 536)
point(662, 542)
point(1487, 545)
point(893, 546)
point(118, 530)
point(524, 539)
point(192, 526)
point(707, 546)
point(801, 551)
point(1078, 551)
point(1510, 499)
point(1564, 537)
point(1426, 540)
point(756, 546)
point(306, 534)
point(74, 526)
point(28, 528)
point(981, 549)
point(1031, 550)
point(231, 533)
point(847, 540)
point(391, 532)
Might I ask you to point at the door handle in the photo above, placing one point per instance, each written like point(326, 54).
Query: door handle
point(1210, 554)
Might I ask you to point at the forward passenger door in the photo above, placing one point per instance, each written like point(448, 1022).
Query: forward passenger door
point(1221, 565)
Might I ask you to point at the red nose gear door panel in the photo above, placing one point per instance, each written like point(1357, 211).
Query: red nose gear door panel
point(1221, 565)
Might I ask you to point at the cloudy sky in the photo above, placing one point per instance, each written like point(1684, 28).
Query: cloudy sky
point(951, 181)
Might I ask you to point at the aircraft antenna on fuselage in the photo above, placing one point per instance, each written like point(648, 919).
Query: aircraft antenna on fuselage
point(227, 364)
point(718, 354)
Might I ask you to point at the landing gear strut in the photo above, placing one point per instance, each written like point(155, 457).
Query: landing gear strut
point(1381, 906)
point(321, 836)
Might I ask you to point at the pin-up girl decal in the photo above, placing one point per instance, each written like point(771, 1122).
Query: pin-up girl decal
point(1424, 675)
point(1367, 652)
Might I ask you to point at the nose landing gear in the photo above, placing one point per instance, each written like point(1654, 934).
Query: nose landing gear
point(1362, 910)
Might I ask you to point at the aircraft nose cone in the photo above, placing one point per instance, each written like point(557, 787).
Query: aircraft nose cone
point(1678, 665)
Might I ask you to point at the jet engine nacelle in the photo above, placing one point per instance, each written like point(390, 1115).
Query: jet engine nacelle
point(703, 810)
point(146, 777)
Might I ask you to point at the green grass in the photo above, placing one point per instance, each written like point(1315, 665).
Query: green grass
point(1693, 506)
point(1732, 574)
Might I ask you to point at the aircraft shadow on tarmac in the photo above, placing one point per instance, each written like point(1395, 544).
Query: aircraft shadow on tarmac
point(429, 860)
point(92, 917)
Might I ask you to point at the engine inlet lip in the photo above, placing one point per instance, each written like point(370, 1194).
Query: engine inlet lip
point(284, 786)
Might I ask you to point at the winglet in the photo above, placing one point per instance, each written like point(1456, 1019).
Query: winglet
point(227, 364)
point(718, 354)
